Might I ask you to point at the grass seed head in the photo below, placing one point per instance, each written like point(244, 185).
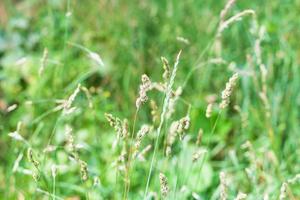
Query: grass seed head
point(209, 110)
point(32, 158)
point(144, 88)
point(164, 187)
point(223, 186)
point(283, 191)
point(167, 70)
point(83, 170)
point(226, 93)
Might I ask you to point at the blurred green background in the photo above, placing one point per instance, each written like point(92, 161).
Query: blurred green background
point(131, 36)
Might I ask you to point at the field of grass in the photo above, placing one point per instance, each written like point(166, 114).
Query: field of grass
point(161, 99)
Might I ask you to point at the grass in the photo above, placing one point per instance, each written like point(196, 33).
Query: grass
point(253, 142)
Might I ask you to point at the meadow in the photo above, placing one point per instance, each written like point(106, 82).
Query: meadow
point(136, 99)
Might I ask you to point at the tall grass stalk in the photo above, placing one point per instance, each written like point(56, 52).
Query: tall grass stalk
point(162, 118)
point(127, 178)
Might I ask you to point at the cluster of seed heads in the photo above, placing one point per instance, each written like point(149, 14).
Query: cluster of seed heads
point(176, 128)
point(144, 88)
point(140, 135)
point(121, 127)
point(226, 93)
point(164, 187)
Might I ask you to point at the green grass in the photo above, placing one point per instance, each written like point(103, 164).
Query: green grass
point(131, 36)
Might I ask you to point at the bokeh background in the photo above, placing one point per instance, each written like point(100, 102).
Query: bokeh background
point(131, 36)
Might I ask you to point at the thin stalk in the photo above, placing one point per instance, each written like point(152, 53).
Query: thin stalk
point(162, 118)
point(53, 190)
point(127, 181)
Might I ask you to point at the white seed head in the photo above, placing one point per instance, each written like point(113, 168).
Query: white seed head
point(209, 110)
point(144, 88)
point(226, 93)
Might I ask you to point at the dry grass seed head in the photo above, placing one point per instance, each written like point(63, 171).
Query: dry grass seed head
point(83, 170)
point(32, 158)
point(121, 127)
point(67, 104)
point(144, 88)
point(198, 154)
point(167, 70)
point(140, 135)
point(176, 128)
point(223, 186)
point(164, 187)
point(283, 191)
point(209, 110)
point(226, 93)
point(227, 7)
